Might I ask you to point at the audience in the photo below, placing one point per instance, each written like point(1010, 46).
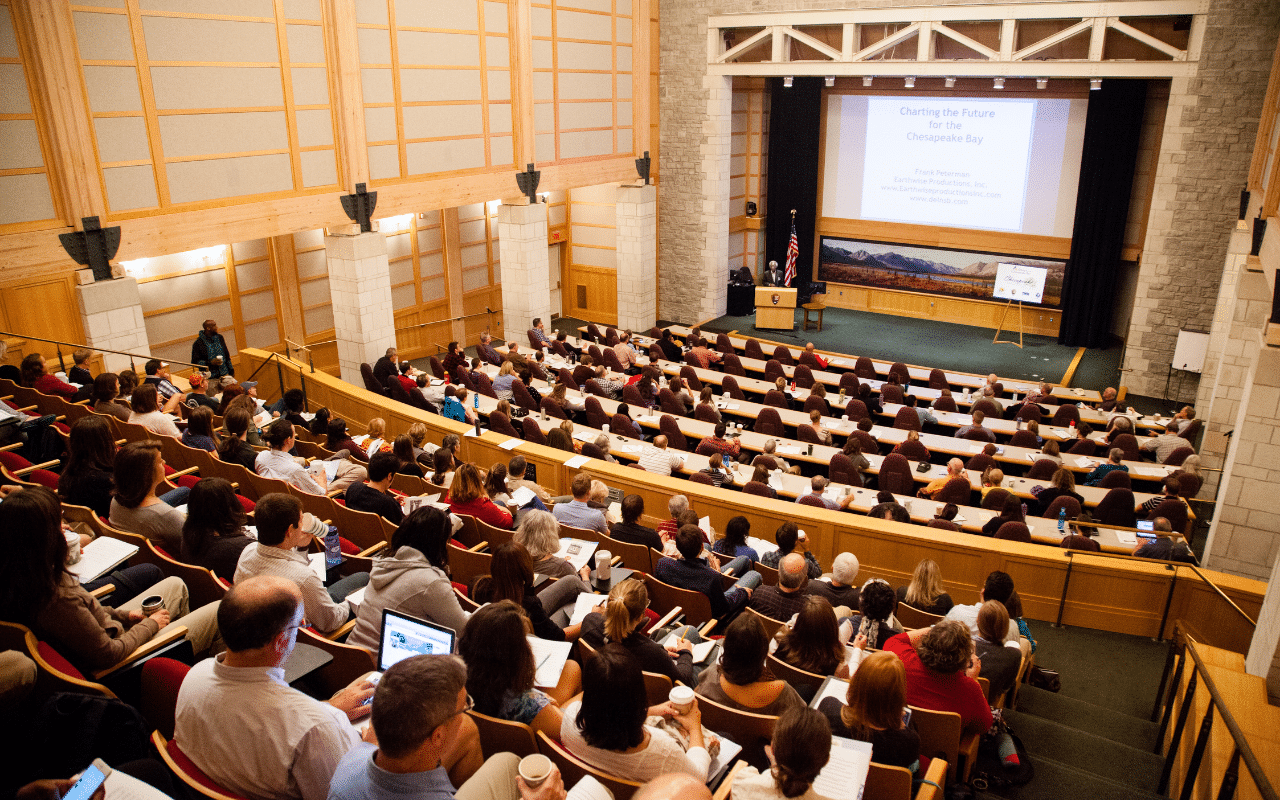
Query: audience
point(876, 603)
point(1114, 457)
point(467, 496)
point(925, 591)
point(941, 672)
point(873, 712)
point(787, 598)
point(139, 470)
point(539, 532)
point(839, 589)
point(741, 680)
point(277, 463)
point(791, 539)
point(214, 535)
point(1001, 658)
point(86, 479)
point(998, 586)
point(630, 530)
point(695, 573)
point(34, 376)
point(812, 642)
point(734, 542)
point(576, 513)
point(106, 390)
point(374, 493)
point(624, 620)
point(147, 413)
point(511, 578)
point(235, 448)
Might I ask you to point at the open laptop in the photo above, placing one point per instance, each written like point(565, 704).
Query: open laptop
point(404, 636)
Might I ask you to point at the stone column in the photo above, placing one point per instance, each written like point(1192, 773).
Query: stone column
point(526, 282)
point(710, 286)
point(360, 288)
point(1263, 658)
point(111, 312)
point(637, 256)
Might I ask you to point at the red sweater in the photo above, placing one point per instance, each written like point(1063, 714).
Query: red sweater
point(50, 384)
point(484, 509)
point(930, 690)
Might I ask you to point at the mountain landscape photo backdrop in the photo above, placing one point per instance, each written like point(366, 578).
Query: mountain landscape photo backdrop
point(957, 273)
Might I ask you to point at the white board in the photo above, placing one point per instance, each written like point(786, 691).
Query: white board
point(1019, 282)
point(1190, 351)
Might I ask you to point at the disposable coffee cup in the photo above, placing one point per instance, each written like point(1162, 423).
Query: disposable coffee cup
point(602, 565)
point(73, 547)
point(681, 698)
point(152, 604)
point(534, 769)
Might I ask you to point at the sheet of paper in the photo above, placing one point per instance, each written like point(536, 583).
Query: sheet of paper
point(471, 432)
point(631, 448)
point(584, 605)
point(585, 434)
point(361, 439)
point(100, 557)
point(317, 565)
point(1127, 537)
point(845, 775)
point(357, 597)
point(122, 786)
point(760, 545)
point(331, 470)
point(577, 461)
point(831, 687)
point(549, 658)
point(1083, 462)
point(701, 650)
point(511, 444)
point(729, 750)
point(523, 496)
point(577, 552)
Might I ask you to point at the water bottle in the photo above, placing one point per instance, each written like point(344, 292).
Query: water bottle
point(332, 548)
point(1024, 510)
point(1062, 519)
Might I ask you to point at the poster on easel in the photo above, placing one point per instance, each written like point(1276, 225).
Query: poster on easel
point(1019, 282)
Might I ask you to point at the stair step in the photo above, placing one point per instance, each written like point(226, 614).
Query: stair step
point(1054, 781)
point(1088, 752)
point(1089, 718)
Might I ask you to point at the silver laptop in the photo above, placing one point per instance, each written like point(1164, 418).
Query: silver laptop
point(404, 636)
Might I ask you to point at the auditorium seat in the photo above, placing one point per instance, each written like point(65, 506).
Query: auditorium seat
point(1030, 412)
point(938, 379)
point(730, 385)
point(752, 349)
point(803, 377)
point(532, 433)
point(669, 403)
point(856, 410)
point(776, 399)
point(1116, 508)
point(1116, 479)
point(690, 377)
point(1024, 438)
point(596, 415)
point(1083, 447)
point(782, 354)
point(895, 475)
point(840, 470)
point(1176, 458)
point(849, 382)
point(900, 369)
point(632, 397)
point(945, 403)
point(769, 423)
point(773, 370)
point(670, 428)
point(891, 393)
point(957, 490)
point(980, 462)
point(723, 344)
point(907, 419)
point(1065, 415)
point(1014, 532)
point(733, 365)
point(566, 377)
point(1128, 443)
point(1071, 504)
point(706, 413)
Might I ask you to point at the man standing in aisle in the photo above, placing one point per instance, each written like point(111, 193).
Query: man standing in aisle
point(209, 350)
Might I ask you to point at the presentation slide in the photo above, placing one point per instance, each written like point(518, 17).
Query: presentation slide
point(1003, 164)
point(1019, 282)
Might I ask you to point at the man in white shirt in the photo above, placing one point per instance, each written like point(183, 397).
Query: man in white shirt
point(658, 459)
point(277, 463)
point(279, 520)
point(1164, 444)
point(240, 723)
point(998, 586)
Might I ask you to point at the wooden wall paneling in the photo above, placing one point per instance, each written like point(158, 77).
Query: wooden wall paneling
point(1263, 145)
point(46, 308)
point(148, 102)
point(47, 43)
point(1144, 178)
point(286, 85)
point(288, 297)
point(451, 234)
point(955, 238)
point(346, 93)
point(641, 72)
point(521, 53)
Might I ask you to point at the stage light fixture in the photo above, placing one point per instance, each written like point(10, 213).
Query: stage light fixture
point(830, 81)
point(1095, 84)
point(866, 81)
point(909, 82)
point(951, 83)
point(997, 83)
point(787, 81)
point(1042, 83)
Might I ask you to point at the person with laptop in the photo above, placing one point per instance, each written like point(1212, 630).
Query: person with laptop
point(414, 582)
point(282, 529)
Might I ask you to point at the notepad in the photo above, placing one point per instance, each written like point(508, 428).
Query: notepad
point(845, 775)
point(1127, 537)
point(584, 605)
point(577, 461)
point(511, 444)
point(317, 565)
point(549, 659)
point(831, 687)
point(577, 552)
point(523, 496)
point(701, 650)
point(100, 557)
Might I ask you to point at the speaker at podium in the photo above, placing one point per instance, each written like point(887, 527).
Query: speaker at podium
point(776, 308)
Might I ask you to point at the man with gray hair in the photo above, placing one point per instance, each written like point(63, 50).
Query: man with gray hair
point(770, 450)
point(485, 350)
point(955, 469)
point(602, 441)
point(420, 723)
point(781, 602)
point(839, 589)
point(816, 488)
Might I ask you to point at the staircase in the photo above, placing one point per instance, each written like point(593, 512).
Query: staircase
point(1082, 750)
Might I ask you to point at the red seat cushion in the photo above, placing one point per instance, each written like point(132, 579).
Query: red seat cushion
point(55, 660)
point(462, 589)
point(188, 768)
point(349, 547)
point(247, 504)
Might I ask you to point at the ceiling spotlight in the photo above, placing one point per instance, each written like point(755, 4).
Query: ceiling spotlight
point(998, 83)
point(909, 82)
point(866, 81)
point(951, 83)
point(787, 81)
point(830, 81)
point(1095, 84)
point(1042, 83)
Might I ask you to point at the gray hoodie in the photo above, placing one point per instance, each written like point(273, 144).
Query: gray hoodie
point(407, 583)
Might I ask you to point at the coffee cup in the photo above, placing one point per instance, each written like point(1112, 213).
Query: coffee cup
point(534, 769)
point(681, 698)
point(152, 604)
point(73, 547)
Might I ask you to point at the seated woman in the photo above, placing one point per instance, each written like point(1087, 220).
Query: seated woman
point(539, 532)
point(1010, 512)
point(812, 643)
point(35, 376)
point(235, 447)
point(128, 382)
point(761, 476)
point(376, 431)
point(466, 496)
point(741, 680)
point(559, 439)
point(734, 542)
point(511, 578)
point(250, 407)
point(414, 581)
point(853, 449)
point(442, 468)
point(214, 533)
point(87, 480)
point(277, 463)
point(873, 712)
point(606, 728)
point(502, 383)
point(136, 508)
point(820, 391)
point(801, 748)
point(925, 590)
point(36, 590)
point(912, 436)
point(1062, 484)
point(106, 388)
point(941, 672)
point(876, 603)
point(1050, 451)
point(624, 411)
point(319, 424)
point(623, 620)
point(1001, 660)
point(338, 439)
point(500, 671)
point(145, 403)
point(403, 450)
point(715, 471)
point(199, 432)
point(815, 425)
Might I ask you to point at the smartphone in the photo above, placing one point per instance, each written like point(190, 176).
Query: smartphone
point(906, 716)
point(89, 781)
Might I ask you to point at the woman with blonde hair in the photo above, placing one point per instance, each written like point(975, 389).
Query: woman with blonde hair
point(925, 591)
point(376, 442)
point(567, 427)
point(623, 621)
point(539, 532)
point(873, 711)
point(557, 438)
point(815, 422)
point(467, 496)
point(506, 377)
point(1189, 478)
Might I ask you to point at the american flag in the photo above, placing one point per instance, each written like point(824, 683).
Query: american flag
point(793, 253)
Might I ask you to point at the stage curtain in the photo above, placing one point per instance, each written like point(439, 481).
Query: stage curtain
point(794, 124)
point(1110, 152)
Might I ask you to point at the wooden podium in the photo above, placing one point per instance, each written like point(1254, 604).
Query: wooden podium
point(776, 308)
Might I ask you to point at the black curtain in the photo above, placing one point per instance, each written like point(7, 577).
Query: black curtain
point(1107, 162)
point(794, 123)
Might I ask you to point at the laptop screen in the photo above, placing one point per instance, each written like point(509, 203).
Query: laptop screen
point(1146, 525)
point(404, 636)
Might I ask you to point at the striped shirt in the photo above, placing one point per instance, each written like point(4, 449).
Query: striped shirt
point(660, 461)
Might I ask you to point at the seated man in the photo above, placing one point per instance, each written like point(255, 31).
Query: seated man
point(79, 372)
point(729, 449)
point(374, 495)
point(926, 416)
point(657, 459)
point(790, 538)
point(1169, 547)
point(770, 450)
point(277, 463)
point(816, 487)
point(158, 375)
point(693, 572)
point(242, 725)
point(822, 362)
point(199, 394)
point(630, 530)
point(453, 359)
point(978, 417)
point(280, 521)
point(998, 586)
point(426, 743)
point(577, 513)
point(955, 469)
point(1108, 399)
point(1185, 416)
point(1164, 444)
point(840, 589)
point(486, 350)
point(539, 332)
point(611, 388)
point(627, 354)
point(516, 469)
point(455, 405)
point(386, 366)
point(787, 598)
point(700, 356)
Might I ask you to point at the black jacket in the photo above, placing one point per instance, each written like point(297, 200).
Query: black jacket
point(200, 353)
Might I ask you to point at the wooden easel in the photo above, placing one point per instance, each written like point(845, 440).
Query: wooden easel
point(1021, 325)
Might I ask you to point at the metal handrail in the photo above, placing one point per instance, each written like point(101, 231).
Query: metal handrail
point(1221, 593)
point(297, 348)
point(78, 346)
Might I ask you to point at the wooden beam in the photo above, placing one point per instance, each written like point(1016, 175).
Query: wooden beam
point(288, 295)
point(346, 94)
point(520, 25)
point(640, 78)
point(451, 235)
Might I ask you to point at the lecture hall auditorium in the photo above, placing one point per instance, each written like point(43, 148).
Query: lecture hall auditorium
point(602, 165)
